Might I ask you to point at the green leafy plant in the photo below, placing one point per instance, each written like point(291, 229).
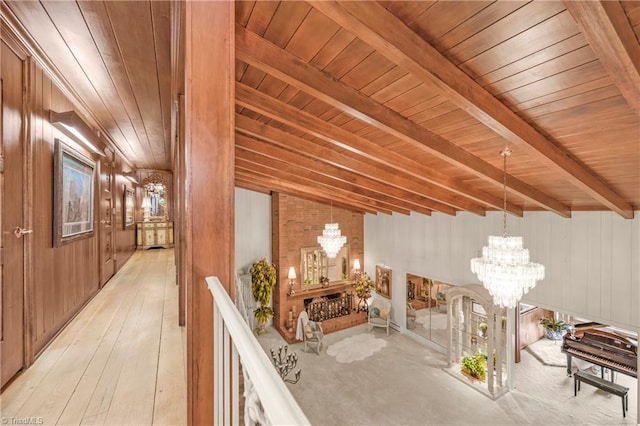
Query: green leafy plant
point(475, 366)
point(263, 279)
point(263, 313)
point(483, 326)
point(553, 324)
point(554, 329)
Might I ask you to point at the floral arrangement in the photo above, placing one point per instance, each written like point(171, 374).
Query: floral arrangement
point(363, 286)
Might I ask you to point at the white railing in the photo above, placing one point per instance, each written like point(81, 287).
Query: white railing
point(267, 399)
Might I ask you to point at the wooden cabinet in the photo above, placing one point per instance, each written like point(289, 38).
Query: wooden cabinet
point(154, 234)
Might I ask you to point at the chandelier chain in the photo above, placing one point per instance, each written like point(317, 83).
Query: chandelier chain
point(505, 153)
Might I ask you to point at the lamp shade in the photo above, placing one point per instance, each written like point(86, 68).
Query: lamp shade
point(356, 264)
point(292, 273)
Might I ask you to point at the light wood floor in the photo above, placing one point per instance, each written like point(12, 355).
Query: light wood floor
point(121, 361)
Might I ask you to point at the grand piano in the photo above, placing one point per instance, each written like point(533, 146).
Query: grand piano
point(603, 346)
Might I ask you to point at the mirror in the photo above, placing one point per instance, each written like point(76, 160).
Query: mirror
point(315, 265)
point(427, 308)
point(155, 201)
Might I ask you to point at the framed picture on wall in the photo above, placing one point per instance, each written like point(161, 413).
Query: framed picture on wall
point(383, 281)
point(128, 207)
point(73, 192)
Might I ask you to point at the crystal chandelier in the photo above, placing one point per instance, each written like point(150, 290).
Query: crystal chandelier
point(331, 239)
point(504, 267)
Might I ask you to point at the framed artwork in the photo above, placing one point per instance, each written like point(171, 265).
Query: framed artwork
point(128, 207)
point(73, 192)
point(477, 308)
point(383, 281)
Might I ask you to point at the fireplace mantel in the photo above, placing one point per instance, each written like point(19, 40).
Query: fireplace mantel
point(319, 291)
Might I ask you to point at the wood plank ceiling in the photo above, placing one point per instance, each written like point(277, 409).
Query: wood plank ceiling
point(386, 106)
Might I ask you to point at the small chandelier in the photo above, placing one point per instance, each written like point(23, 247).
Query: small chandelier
point(331, 239)
point(504, 268)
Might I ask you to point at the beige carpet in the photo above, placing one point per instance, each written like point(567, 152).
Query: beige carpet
point(404, 383)
point(548, 352)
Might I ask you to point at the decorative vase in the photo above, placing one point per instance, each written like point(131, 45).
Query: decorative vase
point(554, 334)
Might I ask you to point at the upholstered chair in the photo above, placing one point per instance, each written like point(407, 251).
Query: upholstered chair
point(379, 313)
point(310, 332)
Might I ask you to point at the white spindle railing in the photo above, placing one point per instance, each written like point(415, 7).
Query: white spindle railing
point(267, 399)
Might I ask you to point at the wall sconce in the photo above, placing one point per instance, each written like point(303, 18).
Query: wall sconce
point(72, 125)
point(356, 268)
point(131, 176)
point(292, 279)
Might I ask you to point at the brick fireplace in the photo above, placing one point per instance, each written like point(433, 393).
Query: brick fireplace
point(296, 223)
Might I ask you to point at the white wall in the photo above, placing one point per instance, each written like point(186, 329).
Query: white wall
point(591, 260)
point(253, 228)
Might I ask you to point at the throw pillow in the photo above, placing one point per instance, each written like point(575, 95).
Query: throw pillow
point(375, 312)
point(308, 331)
point(384, 314)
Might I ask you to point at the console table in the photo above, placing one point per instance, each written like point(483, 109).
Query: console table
point(154, 234)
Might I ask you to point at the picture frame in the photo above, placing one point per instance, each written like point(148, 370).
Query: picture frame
point(384, 281)
point(73, 195)
point(477, 308)
point(128, 207)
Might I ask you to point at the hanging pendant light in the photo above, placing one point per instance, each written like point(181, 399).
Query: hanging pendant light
point(331, 239)
point(504, 268)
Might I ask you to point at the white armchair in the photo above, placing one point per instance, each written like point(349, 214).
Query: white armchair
point(379, 313)
point(310, 332)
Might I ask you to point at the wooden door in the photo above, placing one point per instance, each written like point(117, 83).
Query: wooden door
point(12, 250)
point(107, 222)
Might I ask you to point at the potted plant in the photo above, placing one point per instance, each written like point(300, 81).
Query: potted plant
point(363, 286)
point(554, 329)
point(483, 326)
point(263, 279)
point(474, 366)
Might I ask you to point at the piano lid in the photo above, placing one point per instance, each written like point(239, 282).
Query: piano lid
point(610, 341)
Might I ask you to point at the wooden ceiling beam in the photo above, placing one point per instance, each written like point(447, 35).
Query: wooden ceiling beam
point(253, 187)
point(303, 191)
point(607, 29)
point(249, 180)
point(329, 174)
point(277, 169)
point(398, 184)
point(433, 181)
point(269, 58)
point(381, 30)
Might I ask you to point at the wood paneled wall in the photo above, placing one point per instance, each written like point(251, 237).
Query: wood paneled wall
point(125, 238)
point(62, 279)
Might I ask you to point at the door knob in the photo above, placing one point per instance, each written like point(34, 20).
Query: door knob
point(103, 221)
point(19, 232)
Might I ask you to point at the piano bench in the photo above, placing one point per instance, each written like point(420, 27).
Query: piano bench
point(603, 384)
